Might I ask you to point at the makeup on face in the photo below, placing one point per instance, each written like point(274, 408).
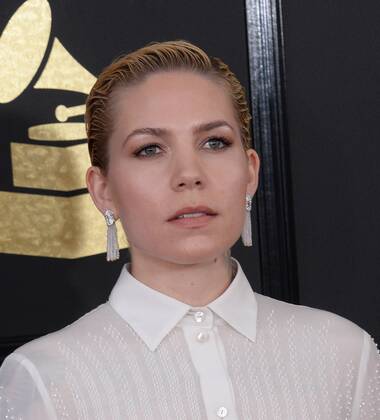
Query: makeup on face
point(178, 168)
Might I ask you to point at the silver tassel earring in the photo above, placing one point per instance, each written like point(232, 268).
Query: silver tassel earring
point(112, 243)
point(246, 235)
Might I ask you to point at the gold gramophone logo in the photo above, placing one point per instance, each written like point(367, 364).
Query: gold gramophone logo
point(34, 224)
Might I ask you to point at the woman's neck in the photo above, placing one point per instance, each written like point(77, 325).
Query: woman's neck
point(194, 284)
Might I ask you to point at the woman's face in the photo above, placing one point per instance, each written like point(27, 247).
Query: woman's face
point(178, 173)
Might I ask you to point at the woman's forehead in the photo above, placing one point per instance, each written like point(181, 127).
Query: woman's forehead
point(178, 94)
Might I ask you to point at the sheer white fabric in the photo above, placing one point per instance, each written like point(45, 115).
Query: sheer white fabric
point(143, 355)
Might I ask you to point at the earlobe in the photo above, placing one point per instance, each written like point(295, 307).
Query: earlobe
point(253, 169)
point(98, 187)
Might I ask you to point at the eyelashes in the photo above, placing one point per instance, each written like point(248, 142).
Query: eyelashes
point(214, 144)
point(217, 142)
point(146, 151)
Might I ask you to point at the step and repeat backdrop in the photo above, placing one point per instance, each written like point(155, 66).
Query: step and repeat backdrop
point(312, 245)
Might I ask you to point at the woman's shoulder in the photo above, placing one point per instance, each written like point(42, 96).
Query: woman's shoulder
point(54, 363)
point(57, 345)
point(310, 326)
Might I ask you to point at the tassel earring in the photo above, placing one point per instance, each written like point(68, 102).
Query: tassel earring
point(112, 243)
point(246, 235)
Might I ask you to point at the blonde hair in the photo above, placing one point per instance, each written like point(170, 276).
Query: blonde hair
point(135, 67)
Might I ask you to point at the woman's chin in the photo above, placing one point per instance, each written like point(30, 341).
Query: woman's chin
point(198, 253)
point(184, 251)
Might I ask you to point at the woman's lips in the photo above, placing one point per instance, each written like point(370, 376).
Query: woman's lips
point(193, 216)
point(192, 222)
point(191, 211)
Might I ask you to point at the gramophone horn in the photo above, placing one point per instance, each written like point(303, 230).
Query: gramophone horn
point(63, 72)
point(22, 47)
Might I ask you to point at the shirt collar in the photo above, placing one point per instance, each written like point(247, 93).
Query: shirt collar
point(237, 305)
point(153, 315)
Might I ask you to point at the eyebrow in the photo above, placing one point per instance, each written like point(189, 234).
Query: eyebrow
point(161, 132)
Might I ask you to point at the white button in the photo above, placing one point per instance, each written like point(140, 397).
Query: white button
point(199, 316)
point(222, 412)
point(202, 336)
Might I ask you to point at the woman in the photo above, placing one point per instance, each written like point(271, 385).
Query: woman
point(183, 336)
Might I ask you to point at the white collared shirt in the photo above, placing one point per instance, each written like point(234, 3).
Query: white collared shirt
point(144, 355)
point(153, 315)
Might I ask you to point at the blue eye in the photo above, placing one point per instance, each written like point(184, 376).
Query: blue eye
point(149, 150)
point(216, 143)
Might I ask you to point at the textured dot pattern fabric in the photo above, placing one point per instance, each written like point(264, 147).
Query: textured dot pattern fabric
point(296, 363)
point(99, 368)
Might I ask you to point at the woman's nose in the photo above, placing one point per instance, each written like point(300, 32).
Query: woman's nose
point(187, 174)
point(188, 183)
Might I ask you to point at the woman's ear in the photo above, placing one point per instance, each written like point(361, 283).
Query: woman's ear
point(99, 189)
point(253, 170)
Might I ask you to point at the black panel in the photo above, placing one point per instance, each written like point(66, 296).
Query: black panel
point(333, 96)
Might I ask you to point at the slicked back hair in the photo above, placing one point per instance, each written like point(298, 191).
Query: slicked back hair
point(133, 68)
